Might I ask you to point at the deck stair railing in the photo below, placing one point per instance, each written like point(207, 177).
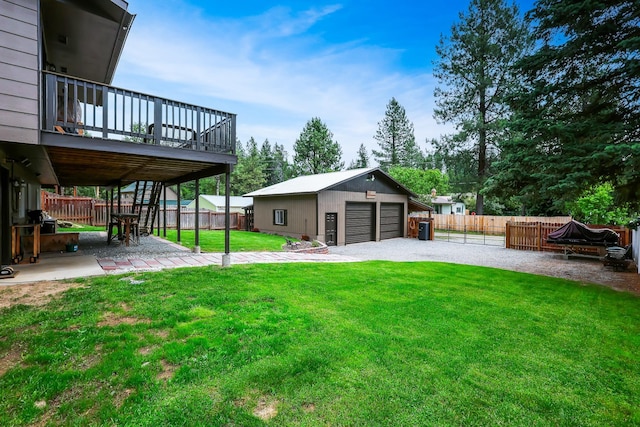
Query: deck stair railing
point(92, 109)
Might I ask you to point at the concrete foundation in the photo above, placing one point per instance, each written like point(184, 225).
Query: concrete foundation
point(226, 260)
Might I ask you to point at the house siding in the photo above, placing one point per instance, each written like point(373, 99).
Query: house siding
point(19, 71)
point(301, 215)
point(336, 201)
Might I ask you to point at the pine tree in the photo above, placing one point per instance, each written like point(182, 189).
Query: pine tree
point(275, 163)
point(248, 174)
point(266, 157)
point(315, 150)
point(362, 159)
point(282, 169)
point(474, 71)
point(578, 106)
point(396, 139)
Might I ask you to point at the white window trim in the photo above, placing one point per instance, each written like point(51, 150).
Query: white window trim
point(279, 217)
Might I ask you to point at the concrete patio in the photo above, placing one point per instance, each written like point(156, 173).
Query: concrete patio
point(95, 258)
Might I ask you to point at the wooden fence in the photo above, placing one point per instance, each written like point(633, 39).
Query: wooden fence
point(532, 236)
point(81, 210)
point(488, 224)
point(85, 210)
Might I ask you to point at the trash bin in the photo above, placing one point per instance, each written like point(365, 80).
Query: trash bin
point(423, 231)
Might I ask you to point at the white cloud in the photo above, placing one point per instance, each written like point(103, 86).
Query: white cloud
point(274, 74)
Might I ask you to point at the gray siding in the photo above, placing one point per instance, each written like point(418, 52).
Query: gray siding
point(19, 71)
point(335, 201)
point(301, 215)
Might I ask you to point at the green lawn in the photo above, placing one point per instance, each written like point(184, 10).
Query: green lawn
point(373, 343)
point(240, 241)
point(212, 240)
point(81, 228)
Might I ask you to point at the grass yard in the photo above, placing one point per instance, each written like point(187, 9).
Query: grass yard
point(373, 343)
point(212, 240)
point(240, 241)
point(79, 228)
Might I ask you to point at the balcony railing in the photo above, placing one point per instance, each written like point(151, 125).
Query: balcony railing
point(91, 109)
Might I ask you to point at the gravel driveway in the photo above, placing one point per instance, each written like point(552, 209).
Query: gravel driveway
point(544, 263)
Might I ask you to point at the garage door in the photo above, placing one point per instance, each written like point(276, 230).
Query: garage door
point(391, 220)
point(360, 222)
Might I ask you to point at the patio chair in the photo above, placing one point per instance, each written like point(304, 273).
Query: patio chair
point(113, 223)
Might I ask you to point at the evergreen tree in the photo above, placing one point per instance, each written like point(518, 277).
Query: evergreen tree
point(474, 71)
point(396, 139)
point(282, 169)
point(578, 107)
point(362, 159)
point(276, 164)
point(266, 156)
point(315, 150)
point(268, 163)
point(433, 158)
point(248, 174)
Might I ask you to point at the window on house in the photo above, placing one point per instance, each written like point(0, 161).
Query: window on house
point(279, 217)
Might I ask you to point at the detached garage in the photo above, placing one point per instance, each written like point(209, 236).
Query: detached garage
point(337, 208)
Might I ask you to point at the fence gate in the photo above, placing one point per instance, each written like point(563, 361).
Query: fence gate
point(491, 236)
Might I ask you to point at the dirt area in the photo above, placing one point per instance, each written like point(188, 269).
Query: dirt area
point(39, 293)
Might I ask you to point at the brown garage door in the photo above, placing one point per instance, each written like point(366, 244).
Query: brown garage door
point(360, 222)
point(391, 220)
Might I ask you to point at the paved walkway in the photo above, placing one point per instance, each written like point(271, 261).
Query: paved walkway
point(97, 258)
point(117, 266)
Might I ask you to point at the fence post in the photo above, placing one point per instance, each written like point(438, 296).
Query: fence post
point(507, 235)
point(539, 236)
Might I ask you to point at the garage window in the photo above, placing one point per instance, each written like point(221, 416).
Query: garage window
point(279, 217)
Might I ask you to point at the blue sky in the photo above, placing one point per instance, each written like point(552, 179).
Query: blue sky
point(278, 64)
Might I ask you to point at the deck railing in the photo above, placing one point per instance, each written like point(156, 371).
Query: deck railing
point(93, 109)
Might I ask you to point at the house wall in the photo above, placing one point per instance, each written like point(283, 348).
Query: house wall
point(19, 71)
point(127, 196)
point(443, 209)
point(459, 208)
point(336, 201)
point(301, 215)
point(205, 204)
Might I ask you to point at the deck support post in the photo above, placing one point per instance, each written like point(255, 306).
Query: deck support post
point(196, 247)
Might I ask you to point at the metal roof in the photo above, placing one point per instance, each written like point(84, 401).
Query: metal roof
point(220, 201)
point(310, 184)
point(442, 200)
point(418, 206)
